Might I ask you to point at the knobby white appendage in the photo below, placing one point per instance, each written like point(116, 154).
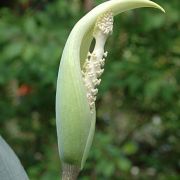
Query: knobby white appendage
point(94, 64)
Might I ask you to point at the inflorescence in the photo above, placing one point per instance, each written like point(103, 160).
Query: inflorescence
point(94, 63)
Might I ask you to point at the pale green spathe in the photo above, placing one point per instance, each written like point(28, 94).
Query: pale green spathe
point(75, 122)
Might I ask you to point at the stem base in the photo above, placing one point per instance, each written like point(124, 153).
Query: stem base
point(70, 172)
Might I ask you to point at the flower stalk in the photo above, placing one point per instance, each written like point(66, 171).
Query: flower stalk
point(70, 172)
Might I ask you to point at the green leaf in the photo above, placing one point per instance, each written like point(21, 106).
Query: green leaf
point(124, 164)
point(129, 148)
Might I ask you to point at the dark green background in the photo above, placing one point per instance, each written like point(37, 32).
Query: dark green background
point(138, 105)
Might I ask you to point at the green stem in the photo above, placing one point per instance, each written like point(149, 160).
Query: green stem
point(70, 172)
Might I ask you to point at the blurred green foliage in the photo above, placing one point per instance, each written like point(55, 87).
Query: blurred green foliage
point(138, 106)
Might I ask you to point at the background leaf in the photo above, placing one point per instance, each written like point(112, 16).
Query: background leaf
point(10, 166)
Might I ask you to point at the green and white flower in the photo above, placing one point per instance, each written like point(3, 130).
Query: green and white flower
point(79, 76)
